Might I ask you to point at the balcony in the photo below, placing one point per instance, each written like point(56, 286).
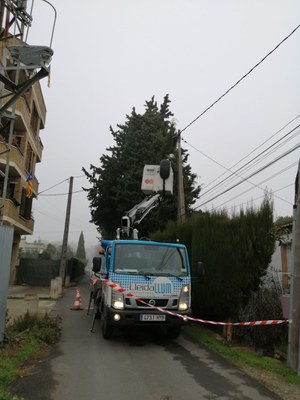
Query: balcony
point(23, 121)
point(12, 217)
point(35, 185)
point(16, 164)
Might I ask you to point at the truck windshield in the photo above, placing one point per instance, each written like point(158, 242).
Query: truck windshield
point(150, 259)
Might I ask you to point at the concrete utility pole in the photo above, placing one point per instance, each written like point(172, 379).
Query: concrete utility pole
point(63, 260)
point(294, 334)
point(181, 205)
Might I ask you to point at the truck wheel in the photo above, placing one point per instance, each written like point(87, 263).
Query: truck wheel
point(173, 332)
point(106, 327)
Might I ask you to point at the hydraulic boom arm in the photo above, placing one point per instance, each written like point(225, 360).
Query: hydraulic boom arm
point(134, 216)
point(157, 179)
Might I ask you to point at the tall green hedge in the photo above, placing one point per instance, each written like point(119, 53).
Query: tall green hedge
point(236, 251)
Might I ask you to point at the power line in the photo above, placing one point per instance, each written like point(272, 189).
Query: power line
point(252, 151)
point(240, 80)
point(221, 183)
point(59, 183)
point(259, 158)
point(257, 198)
point(61, 194)
point(251, 175)
point(260, 183)
point(46, 215)
point(249, 167)
point(250, 163)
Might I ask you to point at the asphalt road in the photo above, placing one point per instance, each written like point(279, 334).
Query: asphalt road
point(133, 365)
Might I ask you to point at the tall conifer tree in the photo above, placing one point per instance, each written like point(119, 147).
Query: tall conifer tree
point(116, 184)
point(80, 252)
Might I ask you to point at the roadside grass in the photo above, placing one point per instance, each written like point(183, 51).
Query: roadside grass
point(23, 339)
point(242, 356)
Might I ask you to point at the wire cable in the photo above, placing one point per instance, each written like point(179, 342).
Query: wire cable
point(258, 186)
point(257, 198)
point(251, 175)
point(57, 184)
point(252, 151)
point(250, 164)
point(241, 79)
point(61, 194)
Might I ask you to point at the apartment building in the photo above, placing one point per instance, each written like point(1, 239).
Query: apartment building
point(36, 247)
point(20, 143)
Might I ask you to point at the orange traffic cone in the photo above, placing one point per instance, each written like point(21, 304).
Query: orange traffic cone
point(77, 302)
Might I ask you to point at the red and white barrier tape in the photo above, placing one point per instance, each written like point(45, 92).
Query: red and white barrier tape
point(116, 287)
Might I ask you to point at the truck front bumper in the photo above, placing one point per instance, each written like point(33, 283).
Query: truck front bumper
point(146, 317)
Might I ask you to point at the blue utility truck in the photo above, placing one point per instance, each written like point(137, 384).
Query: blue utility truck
point(151, 274)
point(143, 282)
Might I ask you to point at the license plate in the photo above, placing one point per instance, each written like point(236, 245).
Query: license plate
point(152, 317)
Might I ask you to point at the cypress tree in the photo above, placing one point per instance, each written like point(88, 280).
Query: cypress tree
point(116, 184)
point(80, 252)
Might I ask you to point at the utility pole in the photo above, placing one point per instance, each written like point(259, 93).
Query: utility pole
point(181, 205)
point(294, 334)
point(63, 259)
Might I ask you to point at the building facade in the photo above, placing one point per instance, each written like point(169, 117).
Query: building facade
point(20, 144)
point(280, 268)
point(36, 247)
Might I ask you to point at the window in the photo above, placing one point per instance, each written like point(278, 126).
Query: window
point(26, 205)
point(11, 190)
point(16, 141)
point(29, 158)
point(35, 120)
point(155, 259)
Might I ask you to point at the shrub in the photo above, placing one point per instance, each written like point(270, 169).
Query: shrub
point(44, 328)
point(9, 396)
point(23, 338)
point(263, 305)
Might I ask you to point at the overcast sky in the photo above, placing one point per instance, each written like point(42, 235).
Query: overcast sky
point(110, 56)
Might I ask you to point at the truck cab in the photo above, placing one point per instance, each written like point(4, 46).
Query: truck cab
point(154, 277)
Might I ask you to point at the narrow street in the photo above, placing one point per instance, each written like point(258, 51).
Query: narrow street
point(136, 364)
